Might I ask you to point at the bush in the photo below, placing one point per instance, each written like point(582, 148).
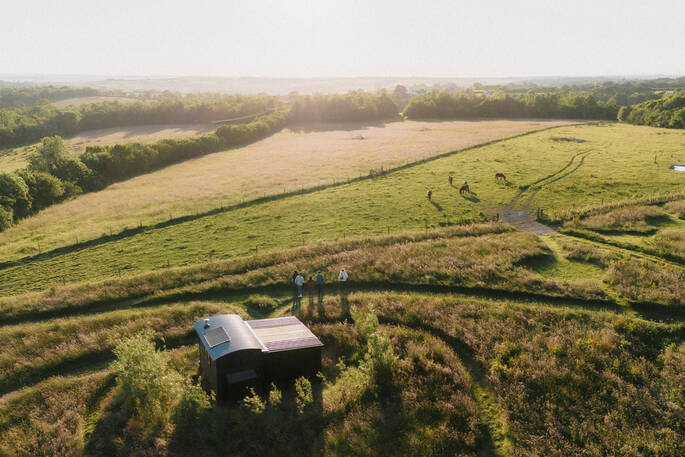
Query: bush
point(275, 396)
point(14, 195)
point(303, 394)
point(380, 360)
point(253, 402)
point(44, 189)
point(5, 219)
point(149, 387)
point(192, 409)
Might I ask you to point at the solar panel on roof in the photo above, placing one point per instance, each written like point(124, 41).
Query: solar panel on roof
point(216, 336)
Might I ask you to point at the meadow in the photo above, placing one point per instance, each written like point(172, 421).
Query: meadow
point(453, 338)
point(313, 155)
point(541, 171)
point(482, 322)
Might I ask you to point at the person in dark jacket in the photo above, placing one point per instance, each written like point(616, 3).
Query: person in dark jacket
point(319, 283)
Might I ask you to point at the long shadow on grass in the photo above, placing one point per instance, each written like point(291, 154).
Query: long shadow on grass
point(181, 296)
point(30, 375)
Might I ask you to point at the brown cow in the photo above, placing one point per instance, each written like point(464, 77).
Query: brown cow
point(499, 176)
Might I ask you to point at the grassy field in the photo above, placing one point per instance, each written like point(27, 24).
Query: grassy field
point(388, 203)
point(292, 159)
point(502, 346)
point(15, 158)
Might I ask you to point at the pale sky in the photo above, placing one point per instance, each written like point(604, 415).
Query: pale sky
point(321, 38)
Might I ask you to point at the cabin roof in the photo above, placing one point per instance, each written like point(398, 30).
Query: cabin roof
point(283, 334)
point(226, 333)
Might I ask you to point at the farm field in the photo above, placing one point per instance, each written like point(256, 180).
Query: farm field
point(292, 159)
point(389, 203)
point(483, 322)
point(15, 158)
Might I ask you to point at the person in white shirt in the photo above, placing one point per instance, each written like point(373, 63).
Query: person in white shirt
point(299, 281)
point(342, 279)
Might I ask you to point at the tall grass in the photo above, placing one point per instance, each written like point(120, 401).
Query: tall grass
point(638, 218)
point(644, 281)
point(569, 382)
point(59, 298)
point(554, 216)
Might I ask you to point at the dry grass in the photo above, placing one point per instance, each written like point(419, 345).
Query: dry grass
point(629, 219)
point(287, 160)
point(643, 281)
point(677, 207)
point(141, 133)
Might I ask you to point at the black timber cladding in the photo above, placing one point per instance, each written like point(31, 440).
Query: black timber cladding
point(236, 355)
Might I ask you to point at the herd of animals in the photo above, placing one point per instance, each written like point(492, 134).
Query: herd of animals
point(464, 189)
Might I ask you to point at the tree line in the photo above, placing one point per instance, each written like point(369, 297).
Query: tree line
point(668, 111)
point(464, 105)
point(353, 106)
point(54, 175)
point(28, 124)
point(30, 96)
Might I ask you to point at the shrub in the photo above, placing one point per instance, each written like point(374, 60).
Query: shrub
point(150, 388)
point(5, 218)
point(14, 195)
point(380, 360)
point(275, 396)
point(253, 402)
point(192, 406)
point(44, 189)
point(303, 394)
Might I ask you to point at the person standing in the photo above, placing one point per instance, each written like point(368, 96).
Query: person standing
point(342, 279)
point(319, 283)
point(299, 282)
point(295, 273)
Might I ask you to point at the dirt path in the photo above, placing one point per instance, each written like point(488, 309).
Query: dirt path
point(525, 221)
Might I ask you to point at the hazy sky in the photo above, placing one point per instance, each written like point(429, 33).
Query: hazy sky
point(343, 38)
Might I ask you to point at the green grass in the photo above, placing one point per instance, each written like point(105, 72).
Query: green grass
point(393, 202)
point(467, 362)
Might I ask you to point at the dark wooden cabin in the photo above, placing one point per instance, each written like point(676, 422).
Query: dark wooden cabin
point(236, 354)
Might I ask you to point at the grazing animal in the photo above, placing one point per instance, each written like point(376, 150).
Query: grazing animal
point(464, 188)
point(430, 194)
point(450, 179)
point(501, 176)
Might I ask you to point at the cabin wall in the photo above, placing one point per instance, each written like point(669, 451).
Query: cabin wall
point(284, 366)
point(238, 361)
point(207, 369)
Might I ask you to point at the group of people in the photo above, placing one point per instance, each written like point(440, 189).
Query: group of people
point(316, 282)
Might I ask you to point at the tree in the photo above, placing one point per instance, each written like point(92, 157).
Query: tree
point(14, 195)
point(44, 189)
